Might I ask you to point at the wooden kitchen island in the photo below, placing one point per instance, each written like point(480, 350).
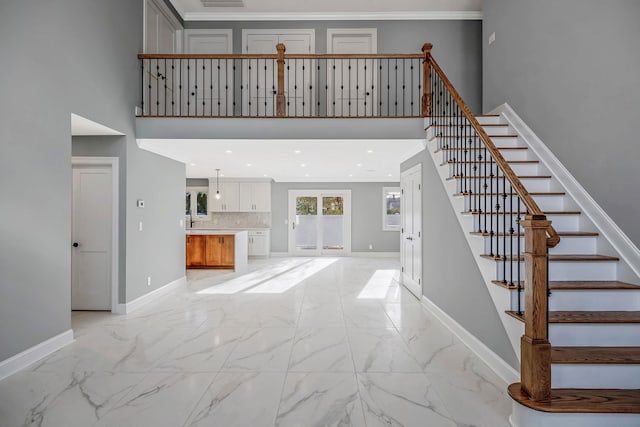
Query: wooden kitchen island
point(217, 249)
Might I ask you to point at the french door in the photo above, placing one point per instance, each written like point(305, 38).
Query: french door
point(319, 222)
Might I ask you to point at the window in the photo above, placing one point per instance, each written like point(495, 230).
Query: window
point(197, 202)
point(391, 208)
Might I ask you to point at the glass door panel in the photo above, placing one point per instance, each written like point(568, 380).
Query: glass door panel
point(332, 223)
point(306, 223)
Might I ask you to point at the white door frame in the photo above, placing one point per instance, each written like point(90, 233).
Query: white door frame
point(346, 195)
point(115, 249)
point(411, 285)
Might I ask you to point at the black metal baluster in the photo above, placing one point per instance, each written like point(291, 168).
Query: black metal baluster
point(504, 228)
point(511, 231)
point(518, 263)
point(142, 85)
point(485, 186)
point(491, 214)
point(173, 86)
point(226, 88)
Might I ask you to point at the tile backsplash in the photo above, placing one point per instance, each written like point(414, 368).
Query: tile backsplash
point(231, 220)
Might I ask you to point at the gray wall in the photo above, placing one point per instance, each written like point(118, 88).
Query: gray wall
point(366, 215)
point(451, 276)
point(457, 44)
point(570, 70)
point(61, 57)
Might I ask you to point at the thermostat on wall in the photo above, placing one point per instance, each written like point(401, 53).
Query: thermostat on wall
point(140, 203)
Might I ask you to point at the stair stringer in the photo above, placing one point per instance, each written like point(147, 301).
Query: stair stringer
point(501, 297)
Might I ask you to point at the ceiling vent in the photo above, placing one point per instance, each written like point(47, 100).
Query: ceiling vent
point(222, 3)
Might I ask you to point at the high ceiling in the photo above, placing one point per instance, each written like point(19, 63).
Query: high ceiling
point(329, 9)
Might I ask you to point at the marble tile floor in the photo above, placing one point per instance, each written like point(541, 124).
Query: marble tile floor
point(294, 342)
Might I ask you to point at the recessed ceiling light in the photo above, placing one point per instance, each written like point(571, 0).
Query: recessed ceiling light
point(359, 165)
point(303, 165)
point(228, 151)
point(221, 174)
point(390, 174)
point(297, 151)
point(350, 175)
point(265, 175)
point(192, 164)
point(248, 165)
point(369, 151)
point(306, 174)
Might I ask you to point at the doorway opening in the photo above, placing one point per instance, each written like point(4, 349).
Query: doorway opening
point(319, 222)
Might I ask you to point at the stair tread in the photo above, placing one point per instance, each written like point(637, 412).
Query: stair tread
point(559, 257)
point(490, 136)
point(612, 285)
point(451, 162)
point(570, 400)
point(588, 316)
point(523, 213)
point(468, 125)
point(489, 177)
point(534, 193)
point(482, 148)
point(595, 355)
point(560, 233)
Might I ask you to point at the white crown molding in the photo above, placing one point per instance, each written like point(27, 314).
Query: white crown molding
point(336, 16)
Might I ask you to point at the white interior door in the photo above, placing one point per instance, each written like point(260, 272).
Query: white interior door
point(319, 222)
point(91, 259)
point(411, 231)
point(353, 81)
point(261, 74)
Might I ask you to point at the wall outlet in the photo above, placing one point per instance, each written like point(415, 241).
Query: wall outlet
point(181, 222)
point(149, 281)
point(370, 247)
point(492, 38)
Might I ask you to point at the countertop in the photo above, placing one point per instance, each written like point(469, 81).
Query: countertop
point(226, 231)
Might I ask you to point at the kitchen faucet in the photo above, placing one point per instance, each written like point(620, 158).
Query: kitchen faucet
point(190, 220)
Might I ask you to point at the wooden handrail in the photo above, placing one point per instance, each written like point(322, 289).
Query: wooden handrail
point(288, 56)
point(552, 235)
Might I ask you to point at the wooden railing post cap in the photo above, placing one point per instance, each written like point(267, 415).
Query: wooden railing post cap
point(535, 221)
point(426, 48)
point(281, 47)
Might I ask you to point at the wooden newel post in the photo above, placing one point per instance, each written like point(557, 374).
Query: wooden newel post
point(535, 365)
point(280, 99)
point(426, 82)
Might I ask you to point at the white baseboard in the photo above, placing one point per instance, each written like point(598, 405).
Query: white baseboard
point(376, 254)
point(31, 355)
point(607, 227)
point(279, 254)
point(495, 362)
point(147, 298)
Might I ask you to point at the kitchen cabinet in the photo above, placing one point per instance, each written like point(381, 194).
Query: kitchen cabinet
point(259, 243)
point(210, 251)
point(229, 200)
point(255, 196)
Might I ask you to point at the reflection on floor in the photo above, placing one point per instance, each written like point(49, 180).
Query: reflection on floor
point(294, 342)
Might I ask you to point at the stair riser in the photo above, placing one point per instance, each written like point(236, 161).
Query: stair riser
point(443, 138)
point(482, 169)
point(614, 334)
point(495, 185)
point(595, 376)
point(567, 245)
point(498, 223)
point(491, 119)
point(498, 130)
point(507, 154)
point(594, 300)
point(546, 203)
point(563, 271)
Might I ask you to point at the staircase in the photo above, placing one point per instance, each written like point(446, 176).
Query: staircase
point(594, 319)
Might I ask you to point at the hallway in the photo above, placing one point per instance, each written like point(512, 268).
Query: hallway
point(293, 342)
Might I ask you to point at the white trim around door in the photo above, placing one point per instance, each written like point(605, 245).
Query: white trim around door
point(115, 249)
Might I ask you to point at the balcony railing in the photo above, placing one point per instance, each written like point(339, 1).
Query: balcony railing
point(282, 85)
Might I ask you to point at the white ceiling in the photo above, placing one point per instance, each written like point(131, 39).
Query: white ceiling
point(195, 10)
point(290, 160)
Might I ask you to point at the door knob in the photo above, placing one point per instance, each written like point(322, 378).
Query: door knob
point(76, 244)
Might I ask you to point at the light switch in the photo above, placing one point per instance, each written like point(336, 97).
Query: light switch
point(140, 226)
point(492, 37)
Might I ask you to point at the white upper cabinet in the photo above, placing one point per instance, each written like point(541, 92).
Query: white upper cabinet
point(240, 196)
point(255, 197)
point(229, 197)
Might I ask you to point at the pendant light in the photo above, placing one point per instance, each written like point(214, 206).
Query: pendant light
point(217, 184)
